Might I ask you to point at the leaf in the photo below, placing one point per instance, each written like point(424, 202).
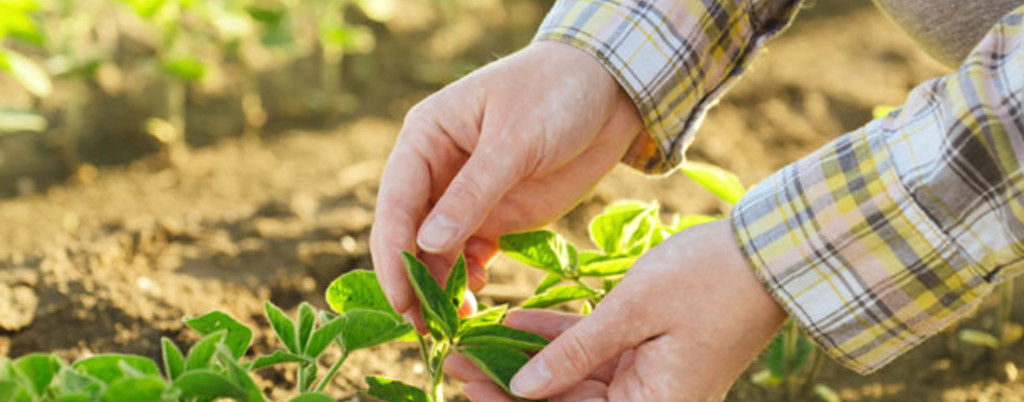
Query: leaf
point(313, 397)
point(625, 229)
point(500, 363)
point(586, 308)
point(390, 390)
point(979, 338)
point(21, 26)
point(720, 182)
point(202, 352)
point(238, 375)
point(361, 329)
point(539, 249)
point(174, 360)
point(439, 313)
point(238, 335)
point(283, 326)
point(455, 288)
point(74, 385)
point(308, 376)
point(559, 295)
point(687, 221)
point(607, 266)
point(207, 384)
point(186, 68)
point(549, 280)
point(142, 389)
point(28, 73)
point(775, 357)
point(304, 329)
point(348, 38)
point(146, 8)
point(9, 389)
point(39, 369)
point(826, 394)
point(493, 315)
point(13, 120)
point(110, 367)
point(497, 334)
point(358, 290)
point(279, 357)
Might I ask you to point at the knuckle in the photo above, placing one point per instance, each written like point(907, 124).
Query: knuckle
point(468, 191)
point(577, 355)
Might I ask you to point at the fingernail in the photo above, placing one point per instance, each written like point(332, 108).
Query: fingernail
point(533, 379)
point(437, 234)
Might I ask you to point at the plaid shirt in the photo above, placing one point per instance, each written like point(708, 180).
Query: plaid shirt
point(877, 240)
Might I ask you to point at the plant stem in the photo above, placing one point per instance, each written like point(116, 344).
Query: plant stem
point(788, 355)
point(331, 373)
point(816, 363)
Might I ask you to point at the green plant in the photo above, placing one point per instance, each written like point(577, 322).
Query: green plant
point(17, 22)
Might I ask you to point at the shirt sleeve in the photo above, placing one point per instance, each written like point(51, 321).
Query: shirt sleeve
point(888, 234)
point(674, 58)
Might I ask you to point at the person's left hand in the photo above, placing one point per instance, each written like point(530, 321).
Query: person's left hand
point(681, 326)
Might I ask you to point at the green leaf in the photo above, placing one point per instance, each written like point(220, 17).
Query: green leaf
point(539, 249)
point(348, 38)
point(146, 8)
point(390, 390)
point(141, 389)
point(304, 329)
point(74, 385)
point(202, 352)
point(174, 360)
point(439, 313)
point(775, 357)
point(279, 357)
point(455, 288)
point(559, 295)
point(238, 375)
point(687, 221)
point(207, 384)
point(283, 326)
point(361, 329)
point(607, 266)
point(625, 229)
point(9, 390)
point(39, 369)
point(720, 182)
point(358, 290)
point(186, 68)
point(111, 367)
point(13, 120)
point(493, 315)
point(238, 335)
point(313, 397)
point(549, 281)
point(21, 26)
point(587, 308)
point(500, 363)
point(28, 73)
point(497, 334)
point(308, 376)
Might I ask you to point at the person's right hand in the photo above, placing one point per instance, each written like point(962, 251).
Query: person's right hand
point(507, 148)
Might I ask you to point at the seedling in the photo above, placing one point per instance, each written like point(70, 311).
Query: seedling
point(17, 23)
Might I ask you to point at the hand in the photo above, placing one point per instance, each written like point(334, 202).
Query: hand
point(681, 326)
point(510, 147)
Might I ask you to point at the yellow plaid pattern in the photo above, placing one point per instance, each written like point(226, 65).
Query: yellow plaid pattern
point(877, 240)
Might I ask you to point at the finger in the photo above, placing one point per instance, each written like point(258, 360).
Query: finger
point(481, 391)
point(649, 374)
point(479, 254)
point(584, 347)
point(588, 390)
point(459, 366)
point(491, 170)
point(546, 323)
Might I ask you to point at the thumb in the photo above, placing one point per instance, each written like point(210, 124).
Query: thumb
point(574, 355)
point(488, 174)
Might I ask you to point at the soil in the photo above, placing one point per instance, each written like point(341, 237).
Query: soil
point(115, 264)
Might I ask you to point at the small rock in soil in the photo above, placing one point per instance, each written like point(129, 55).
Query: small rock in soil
point(17, 307)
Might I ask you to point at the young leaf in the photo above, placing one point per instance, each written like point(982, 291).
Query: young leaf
point(279, 357)
point(207, 384)
point(439, 313)
point(283, 326)
point(29, 74)
point(500, 363)
point(549, 280)
point(539, 249)
point(202, 352)
point(304, 329)
point(455, 288)
point(625, 228)
point(559, 295)
point(238, 375)
point(493, 315)
point(111, 367)
point(238, 335)
point(497, 334)
point(9, 391)
point(174, 360)
point(587, 308)
point(390, 390)
point(308, 376)
point(607, 266)
point(687, 221)
point(72, 384)
point(720, 182)
point(361, 329)
point(14, 120)
point(358, 290)
point(313, 397)
point(141, 389)
point(186, 68)
point(39, 369)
